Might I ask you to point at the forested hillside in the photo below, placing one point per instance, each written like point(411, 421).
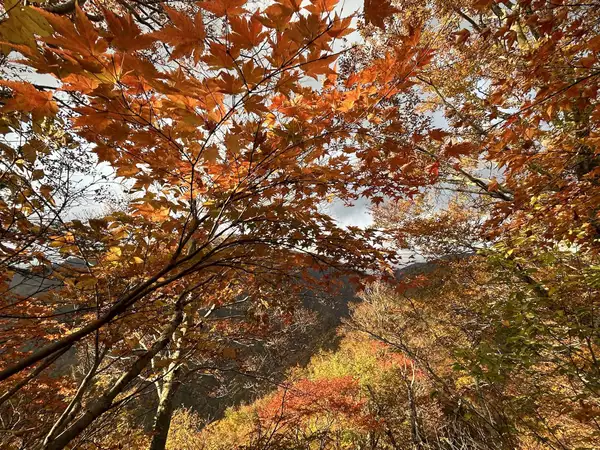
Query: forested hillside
point(173, 268)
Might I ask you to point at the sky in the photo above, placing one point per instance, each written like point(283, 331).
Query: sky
point(359, 214)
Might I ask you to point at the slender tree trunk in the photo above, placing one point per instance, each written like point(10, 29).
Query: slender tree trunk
point(415, 427)
point(105, 402)
point(414, 424)
point(166, 395)
point(73, 406)
point(164, 410)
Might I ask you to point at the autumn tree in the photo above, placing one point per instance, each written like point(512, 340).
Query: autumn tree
point(503, 167)
point(335, 402)
point(228, 154)
point(512, 88)
point(470, 125)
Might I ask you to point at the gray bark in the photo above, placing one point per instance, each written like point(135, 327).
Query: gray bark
point(164, 411)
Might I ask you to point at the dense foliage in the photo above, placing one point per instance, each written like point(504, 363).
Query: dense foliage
point(166, 169)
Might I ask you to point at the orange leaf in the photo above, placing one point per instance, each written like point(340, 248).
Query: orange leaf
point(321, 6)
point(277, 16)
point(86, 29)
point(594, 44)
point(462, 148)
point(246, 33)
point(230, 84)
point(319, 66)
point(210, 154)
point(186, 36)
point(340, 27)
point(127, 35)
point(81, 83)
point(437, 134)
point(28, 99)
point(79, 37)
point(462, 36)
point(587, 62)
point(222, 8)
point(255, 104)
point(221, 57)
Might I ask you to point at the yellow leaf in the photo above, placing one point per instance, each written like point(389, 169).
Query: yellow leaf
point(86, 281)
point(23, 24)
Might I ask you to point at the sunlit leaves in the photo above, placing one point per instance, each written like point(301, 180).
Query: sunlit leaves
point(224, 153)
point(186, 35)
point(27, 98)
point(127, 35)
point(247, 32)
point(224, 7)
point(22, 25)
point(79, 36)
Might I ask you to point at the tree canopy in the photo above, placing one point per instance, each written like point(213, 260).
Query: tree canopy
point(167, 172)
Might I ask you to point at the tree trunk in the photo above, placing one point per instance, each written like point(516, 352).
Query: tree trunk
point(164, 410)
point(105, 402)
point(73, 406)
point(166, 395)
point(415, 428)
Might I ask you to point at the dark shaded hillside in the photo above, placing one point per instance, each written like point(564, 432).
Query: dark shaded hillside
point(297, 345)
point(316, 322)
point(211, 392)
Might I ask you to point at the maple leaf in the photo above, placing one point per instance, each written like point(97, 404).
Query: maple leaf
point(22, 25)
point(106, 153)
point(438, 134)
point(29, 99)
point(127, 35)
point(79, 37)
point(221, 57)
point(222, 8)
point(251, 73)
point(247, 33)
point(151, 210)
point(277, 16)
point(340, 27)
point(211, 154)
point(185, 35)
point(230, 84)
point(80, 82)
point(321, 6)
point(318, 66)
point(462, 148)
point(376, 11)
point(255, 104)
